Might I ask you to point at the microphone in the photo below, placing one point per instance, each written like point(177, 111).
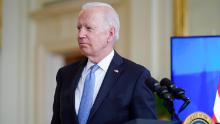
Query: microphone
point(178, 93)
point(161, 91)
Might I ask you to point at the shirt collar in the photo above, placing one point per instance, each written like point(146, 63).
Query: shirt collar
point(104, 63)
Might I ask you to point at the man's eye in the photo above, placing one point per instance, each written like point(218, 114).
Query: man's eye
point(78, 27)
point(89, 28)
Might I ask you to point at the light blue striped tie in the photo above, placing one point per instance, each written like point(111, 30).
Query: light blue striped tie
point(87, 96)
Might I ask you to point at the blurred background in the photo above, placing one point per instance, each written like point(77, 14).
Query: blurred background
point(39, 36)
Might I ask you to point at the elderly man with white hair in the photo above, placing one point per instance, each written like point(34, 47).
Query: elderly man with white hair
point(103, 88)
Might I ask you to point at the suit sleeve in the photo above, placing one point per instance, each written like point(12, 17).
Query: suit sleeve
point(143, 100)
point(56, 103)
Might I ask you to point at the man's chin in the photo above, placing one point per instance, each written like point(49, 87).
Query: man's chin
point(85, 53)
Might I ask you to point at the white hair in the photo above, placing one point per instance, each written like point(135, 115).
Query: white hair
point(111, 17)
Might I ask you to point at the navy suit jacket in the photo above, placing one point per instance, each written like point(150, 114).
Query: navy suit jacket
point(123, 95)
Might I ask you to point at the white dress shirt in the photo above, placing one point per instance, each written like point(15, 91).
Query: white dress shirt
point(99, 74)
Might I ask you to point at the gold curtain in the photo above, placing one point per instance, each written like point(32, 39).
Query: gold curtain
point(180, 23)
point(1, 10)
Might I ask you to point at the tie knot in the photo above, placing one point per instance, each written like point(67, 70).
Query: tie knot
point(94, 68)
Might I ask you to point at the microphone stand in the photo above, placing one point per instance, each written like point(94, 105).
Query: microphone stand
point(176, 93)
point(170, 107)
point(168, 103)
point(168, 96)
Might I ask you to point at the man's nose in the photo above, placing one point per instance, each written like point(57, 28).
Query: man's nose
point(81, 33)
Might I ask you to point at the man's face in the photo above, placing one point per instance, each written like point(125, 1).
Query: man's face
point(93, 33)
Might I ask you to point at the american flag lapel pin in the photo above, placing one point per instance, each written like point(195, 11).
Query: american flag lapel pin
point(116, 71)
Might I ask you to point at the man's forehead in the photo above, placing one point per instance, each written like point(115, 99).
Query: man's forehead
point(95, 10)
point(91, 14)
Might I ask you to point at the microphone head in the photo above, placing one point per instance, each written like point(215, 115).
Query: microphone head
point(165, 82)
point(155, 86)
point(152, 83)
point(178, 93)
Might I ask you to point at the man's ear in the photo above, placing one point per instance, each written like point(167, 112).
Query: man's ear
point(111, 34)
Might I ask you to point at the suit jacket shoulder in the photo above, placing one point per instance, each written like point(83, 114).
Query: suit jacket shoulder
point(73, 67)
point(130, 65)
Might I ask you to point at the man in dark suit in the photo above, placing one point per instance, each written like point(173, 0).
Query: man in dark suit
point(118, 92)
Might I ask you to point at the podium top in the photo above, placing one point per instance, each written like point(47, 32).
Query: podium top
point(149, 121)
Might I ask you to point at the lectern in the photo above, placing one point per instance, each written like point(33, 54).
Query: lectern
point(146, 121)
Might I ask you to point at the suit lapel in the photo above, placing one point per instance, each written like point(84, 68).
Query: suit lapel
point(78, 75)
point(110, 79)
point(75, 81)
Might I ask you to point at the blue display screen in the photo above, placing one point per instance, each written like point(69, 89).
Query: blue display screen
point(195, 67)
